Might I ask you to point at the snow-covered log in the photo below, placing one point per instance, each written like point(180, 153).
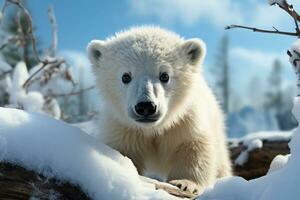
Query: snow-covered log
point(41, 158)
point(258, 160)
point(19, 183)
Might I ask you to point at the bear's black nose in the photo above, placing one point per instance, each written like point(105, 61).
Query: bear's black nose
point(145, 108)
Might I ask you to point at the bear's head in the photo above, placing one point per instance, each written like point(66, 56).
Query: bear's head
point(146, 75)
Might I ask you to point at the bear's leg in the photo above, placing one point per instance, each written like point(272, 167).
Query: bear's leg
point(194, 166)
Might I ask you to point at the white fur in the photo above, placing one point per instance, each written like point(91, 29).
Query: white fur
point(187, 142)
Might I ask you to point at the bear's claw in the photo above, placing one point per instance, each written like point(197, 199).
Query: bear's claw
point(186, 185)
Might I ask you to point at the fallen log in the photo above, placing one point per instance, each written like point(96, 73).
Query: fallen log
point(259, 160)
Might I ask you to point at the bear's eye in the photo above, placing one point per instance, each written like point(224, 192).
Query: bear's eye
point(126, 78)
point(164, 77)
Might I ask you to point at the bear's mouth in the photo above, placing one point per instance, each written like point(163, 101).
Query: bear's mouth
point(146, 120)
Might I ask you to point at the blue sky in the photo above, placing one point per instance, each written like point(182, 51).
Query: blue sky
point(251, 54)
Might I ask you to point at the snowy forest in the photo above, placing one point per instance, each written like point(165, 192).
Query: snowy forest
point(64, 87)
point(49, 107)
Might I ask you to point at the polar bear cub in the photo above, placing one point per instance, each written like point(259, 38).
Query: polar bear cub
point(157, 109)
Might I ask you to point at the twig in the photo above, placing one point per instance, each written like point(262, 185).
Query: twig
point(276, 31)
point(52, 20)
point(74, 93)
point(287, 8)
point(26, 84)
point(275, 28)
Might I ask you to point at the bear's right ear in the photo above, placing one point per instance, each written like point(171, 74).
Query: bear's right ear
point(194, 50)
point(95, 51)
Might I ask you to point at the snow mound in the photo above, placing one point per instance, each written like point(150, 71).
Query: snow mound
point(58, 150)
point(280, 184)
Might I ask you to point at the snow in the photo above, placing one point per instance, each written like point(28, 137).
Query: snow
point(278, 162)
point(31, 101)
point(264, 135)
point(242, 158)
point(90, 127)
point(279, 2)
point(254, 141)
point(250, 146)
point(279, 184)
point(254, 144)
point(52, 108)
point(55, 149)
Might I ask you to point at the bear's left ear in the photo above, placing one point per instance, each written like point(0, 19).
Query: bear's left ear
point(194, 51)
point(95, 51)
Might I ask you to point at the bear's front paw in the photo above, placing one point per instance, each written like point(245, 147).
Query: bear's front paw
point(187, 185)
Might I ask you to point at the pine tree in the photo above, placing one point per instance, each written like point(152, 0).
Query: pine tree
point(274, 95)
point(279, 101)
point(255, 92)
point(221, 72)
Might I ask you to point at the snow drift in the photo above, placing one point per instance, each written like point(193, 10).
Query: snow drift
point(64, 152)
point(278, 184)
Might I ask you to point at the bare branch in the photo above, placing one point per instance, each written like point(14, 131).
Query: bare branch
point(52, 20)
point(27, 82)
point(74, 93)
point(276, 31)
point(287, 8)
